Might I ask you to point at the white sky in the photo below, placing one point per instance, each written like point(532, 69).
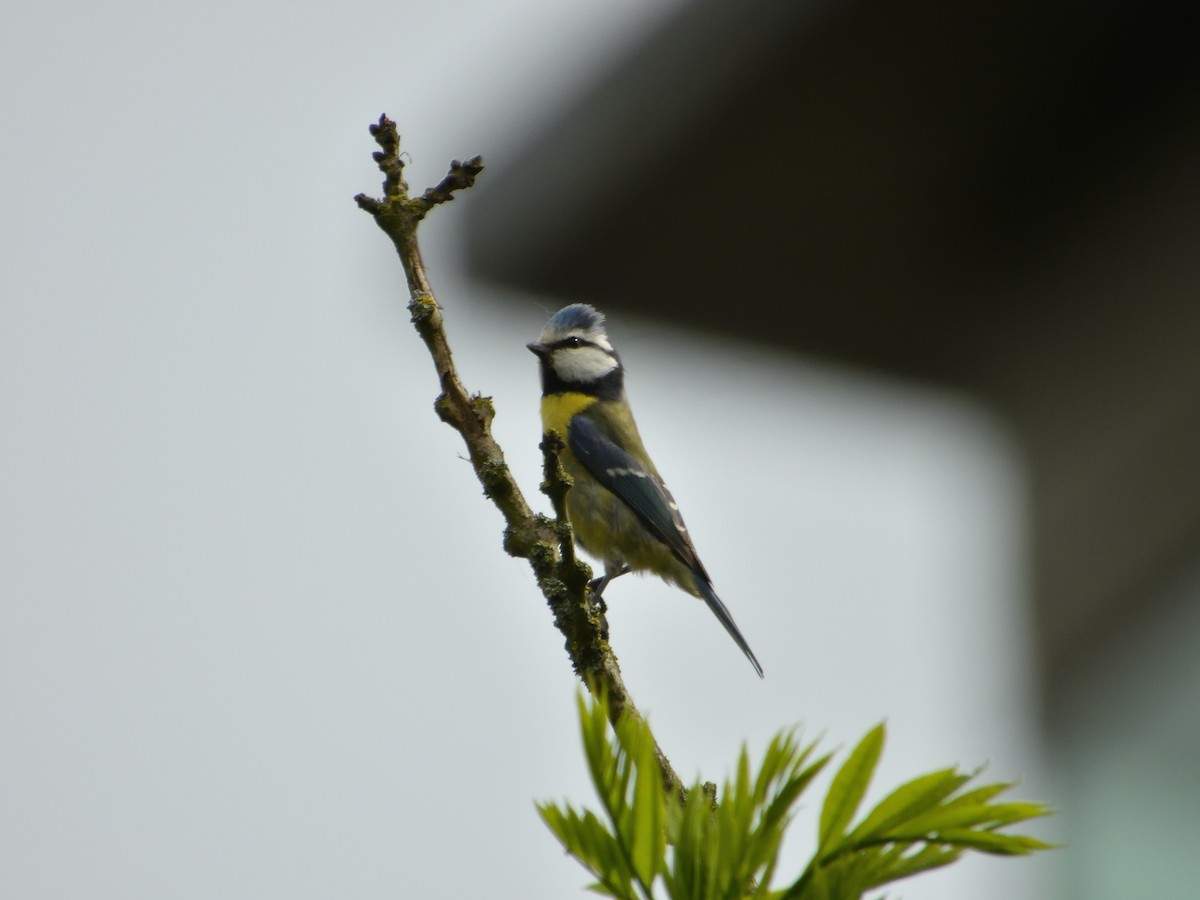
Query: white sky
point(240, 654)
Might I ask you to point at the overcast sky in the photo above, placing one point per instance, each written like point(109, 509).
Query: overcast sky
point(257, 634)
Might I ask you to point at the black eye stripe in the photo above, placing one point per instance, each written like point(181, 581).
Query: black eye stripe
point(571, 342)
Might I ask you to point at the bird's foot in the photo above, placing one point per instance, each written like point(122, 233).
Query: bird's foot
point(597, 586)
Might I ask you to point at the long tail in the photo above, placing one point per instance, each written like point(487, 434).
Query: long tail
point(714, 603)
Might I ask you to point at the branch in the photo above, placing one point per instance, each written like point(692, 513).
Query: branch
point(547, 544)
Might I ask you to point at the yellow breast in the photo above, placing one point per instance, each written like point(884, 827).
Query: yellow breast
point(558, 409)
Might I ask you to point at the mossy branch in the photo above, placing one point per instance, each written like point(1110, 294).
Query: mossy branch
point(546, 543)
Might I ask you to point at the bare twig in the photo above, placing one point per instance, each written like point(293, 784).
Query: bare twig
point(547, 544)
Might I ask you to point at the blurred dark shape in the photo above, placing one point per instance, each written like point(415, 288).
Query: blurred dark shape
point(998, 198)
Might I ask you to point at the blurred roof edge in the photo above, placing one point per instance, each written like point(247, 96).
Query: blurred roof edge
point(651, 94)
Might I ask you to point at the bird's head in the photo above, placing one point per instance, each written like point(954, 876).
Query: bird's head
point(574, 350)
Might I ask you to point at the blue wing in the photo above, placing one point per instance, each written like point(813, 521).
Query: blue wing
point(641, 490)
point(635, 485)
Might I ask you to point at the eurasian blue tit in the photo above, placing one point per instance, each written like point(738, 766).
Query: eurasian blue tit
point(619, 508)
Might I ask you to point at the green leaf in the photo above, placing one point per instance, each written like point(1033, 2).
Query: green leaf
point(904, 863)
point(980, 794)
point(955, 816)
point(692, 870)
point(819, 887)
point(781, 804)
point(729, 851)
point(586, 838)
point(648, 840)
point(593, 727)
point(907, 801)
point(993, 842)
point(849, 786)
point(634, 849)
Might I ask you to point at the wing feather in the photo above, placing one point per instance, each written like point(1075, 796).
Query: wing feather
point(639, 488)
point(635, 485)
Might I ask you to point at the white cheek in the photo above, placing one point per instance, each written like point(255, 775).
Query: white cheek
point(582, 364)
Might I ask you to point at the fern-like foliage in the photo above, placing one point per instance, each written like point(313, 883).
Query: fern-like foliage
point(646, 843)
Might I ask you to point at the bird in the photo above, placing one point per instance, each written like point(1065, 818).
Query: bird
point(619, 507)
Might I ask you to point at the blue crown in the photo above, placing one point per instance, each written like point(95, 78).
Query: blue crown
point(579, 316)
